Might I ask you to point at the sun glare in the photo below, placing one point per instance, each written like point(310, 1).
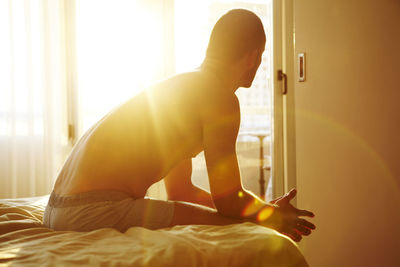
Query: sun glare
point(252, 208)
point(118, 53)
point(264, 214)
point(192, 30)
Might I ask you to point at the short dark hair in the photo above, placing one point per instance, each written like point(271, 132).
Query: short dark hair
point(235, 33)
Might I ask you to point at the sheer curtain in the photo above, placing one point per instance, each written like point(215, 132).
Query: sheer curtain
point(33, 124)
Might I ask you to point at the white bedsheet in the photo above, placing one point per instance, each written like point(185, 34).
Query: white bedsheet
point(24, 241)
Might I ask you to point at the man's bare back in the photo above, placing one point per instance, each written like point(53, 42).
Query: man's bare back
point(139, 142)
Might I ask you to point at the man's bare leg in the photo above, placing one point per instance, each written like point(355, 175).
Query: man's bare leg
point(186, 213)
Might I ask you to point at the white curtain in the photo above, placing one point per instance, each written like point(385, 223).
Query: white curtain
point(33, 143)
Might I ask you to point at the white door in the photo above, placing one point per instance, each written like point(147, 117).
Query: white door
point(283, 159)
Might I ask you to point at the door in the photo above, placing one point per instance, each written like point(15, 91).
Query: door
point(284, 156)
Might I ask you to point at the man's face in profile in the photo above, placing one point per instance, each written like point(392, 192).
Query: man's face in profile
point(248, 76)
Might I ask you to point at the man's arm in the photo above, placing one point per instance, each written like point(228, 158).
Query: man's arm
point(179, 186)
point(220, 129)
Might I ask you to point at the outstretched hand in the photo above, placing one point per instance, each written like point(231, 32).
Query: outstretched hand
point(286, 218)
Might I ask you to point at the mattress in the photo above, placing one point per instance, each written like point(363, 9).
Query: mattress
point(25, 241)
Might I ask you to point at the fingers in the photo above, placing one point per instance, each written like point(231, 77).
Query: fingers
point(291, 194)
point(294, 235)
point(303, 230)
point(275, 200)
point(305, 213)
point(305, 223)
point(286, 198)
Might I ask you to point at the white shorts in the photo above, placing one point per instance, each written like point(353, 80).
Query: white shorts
point(106, 209)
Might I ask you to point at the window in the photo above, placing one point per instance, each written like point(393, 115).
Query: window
point(194, 21)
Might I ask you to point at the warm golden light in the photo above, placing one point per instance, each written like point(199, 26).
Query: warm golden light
point(252, 208)
point(264, 214)
point(120, 51)
point(126, 46)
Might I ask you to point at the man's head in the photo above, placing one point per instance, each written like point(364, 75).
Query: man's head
point(238, 36)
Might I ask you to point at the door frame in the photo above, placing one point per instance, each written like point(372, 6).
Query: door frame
point(283, 133)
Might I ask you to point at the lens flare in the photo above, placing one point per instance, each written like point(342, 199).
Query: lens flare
point(341, 130)
point(264, 214)
point(252, 208)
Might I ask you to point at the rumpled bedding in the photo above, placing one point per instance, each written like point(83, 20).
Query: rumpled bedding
point(24, 241)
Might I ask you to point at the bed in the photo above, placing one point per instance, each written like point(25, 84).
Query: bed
point(25, 241)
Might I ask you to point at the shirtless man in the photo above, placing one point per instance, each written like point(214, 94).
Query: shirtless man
point(155, 134)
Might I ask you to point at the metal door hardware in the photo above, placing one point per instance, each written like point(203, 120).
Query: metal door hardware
point(283, 76)
point(301, 61)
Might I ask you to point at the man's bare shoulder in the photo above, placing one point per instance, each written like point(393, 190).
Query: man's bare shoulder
point(190, 80)
point(220, 103)
point(199, 93)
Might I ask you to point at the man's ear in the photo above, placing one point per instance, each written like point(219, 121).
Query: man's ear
point(252, 58)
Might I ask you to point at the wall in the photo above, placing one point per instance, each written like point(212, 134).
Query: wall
point(347, 130)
